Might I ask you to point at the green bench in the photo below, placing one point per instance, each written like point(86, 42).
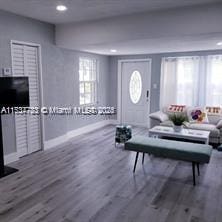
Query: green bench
point(185, 151)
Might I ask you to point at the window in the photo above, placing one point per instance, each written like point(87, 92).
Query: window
point(87, 81)
point(191, 81)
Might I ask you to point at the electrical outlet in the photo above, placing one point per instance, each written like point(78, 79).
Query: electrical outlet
point(6, 71)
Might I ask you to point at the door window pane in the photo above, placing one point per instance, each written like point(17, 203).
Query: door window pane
point(135, 87)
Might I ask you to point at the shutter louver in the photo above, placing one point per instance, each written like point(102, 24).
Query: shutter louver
point(25, 63)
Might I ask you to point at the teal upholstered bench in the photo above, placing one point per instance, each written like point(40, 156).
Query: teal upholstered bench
point(190, 152)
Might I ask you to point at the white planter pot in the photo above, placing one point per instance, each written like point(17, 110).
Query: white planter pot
point(177, 128)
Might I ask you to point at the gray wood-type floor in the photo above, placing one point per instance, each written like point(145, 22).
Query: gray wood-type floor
point(88, 179)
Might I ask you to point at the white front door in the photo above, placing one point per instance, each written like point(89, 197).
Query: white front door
point(135, 92)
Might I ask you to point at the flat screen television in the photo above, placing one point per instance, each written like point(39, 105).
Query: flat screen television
point(14, 92)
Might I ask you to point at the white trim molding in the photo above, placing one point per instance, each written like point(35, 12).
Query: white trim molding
point(113, 122)
point(87, 128)
point(55, 142)
point(12, 157)
point(77, 132)
point(49, 144)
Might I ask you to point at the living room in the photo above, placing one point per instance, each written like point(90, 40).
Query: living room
point(97, 72)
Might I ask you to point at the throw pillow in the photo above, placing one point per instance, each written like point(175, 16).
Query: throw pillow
point(197, 115)
point(176, 108)
point(211, 110)
point(214, 114)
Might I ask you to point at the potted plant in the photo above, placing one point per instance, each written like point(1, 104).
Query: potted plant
point(178, 121)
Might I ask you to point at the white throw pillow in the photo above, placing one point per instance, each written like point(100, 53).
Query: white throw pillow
point(197, 115)
point(159, 115)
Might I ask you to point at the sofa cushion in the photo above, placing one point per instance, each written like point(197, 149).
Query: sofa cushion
point(167, 123)
point(159, 115)
point(219, 124)
point(214, 119)
point(214, 132)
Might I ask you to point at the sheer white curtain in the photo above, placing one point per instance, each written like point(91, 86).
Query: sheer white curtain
point(179, 81)
point(214, 80)
point(168, 81)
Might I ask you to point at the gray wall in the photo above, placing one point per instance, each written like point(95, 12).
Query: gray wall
point(155, 73)
point(18, 28)
point(60, 75)
point(61, 88)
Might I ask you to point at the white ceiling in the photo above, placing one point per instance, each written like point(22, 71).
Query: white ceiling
point(176, 30)
point(115, 33)
point(158, 45)
point(84, 10)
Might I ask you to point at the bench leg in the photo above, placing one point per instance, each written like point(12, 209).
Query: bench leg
point(143, 158)
point(193, 168)
point(198, 169)
point(137, 154)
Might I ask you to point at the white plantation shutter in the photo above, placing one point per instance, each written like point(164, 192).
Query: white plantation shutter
point(25, 63)
point(21, 135)
point(31, 61)
point(18, 66)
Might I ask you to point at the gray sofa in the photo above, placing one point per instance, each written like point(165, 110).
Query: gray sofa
point(214, 125)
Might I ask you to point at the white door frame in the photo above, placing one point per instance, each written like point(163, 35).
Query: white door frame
point(42, 125)
point(119, 85)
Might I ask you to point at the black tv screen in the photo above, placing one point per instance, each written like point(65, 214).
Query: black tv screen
point(14, 92)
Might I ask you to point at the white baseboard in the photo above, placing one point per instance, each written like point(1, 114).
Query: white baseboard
point(113, 121)
point(71, 134)
point(88, 128)
point(55, 142)
point(12, 157)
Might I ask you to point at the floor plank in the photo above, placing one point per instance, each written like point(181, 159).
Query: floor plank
point(89, 179)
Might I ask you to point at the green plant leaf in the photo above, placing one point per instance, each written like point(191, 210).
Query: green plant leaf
point(178, 119)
